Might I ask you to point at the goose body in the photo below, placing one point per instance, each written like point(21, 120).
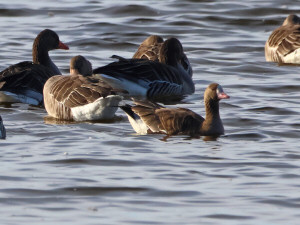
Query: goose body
point(283, 45)
point(24, 81)
point(2, 129)
point(78, 96)
point(150, 49)
point(152, 79)
point(148, 117)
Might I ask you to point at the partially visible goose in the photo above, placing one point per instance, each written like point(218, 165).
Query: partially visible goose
point(141, 77)
point(79, 96)
point(149, 49)
point(24, 82)
point(283, 45)
point(148, 117)
point(151, 46)
point(2, 129)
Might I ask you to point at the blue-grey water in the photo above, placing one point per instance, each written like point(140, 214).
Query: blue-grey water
point(103, 173)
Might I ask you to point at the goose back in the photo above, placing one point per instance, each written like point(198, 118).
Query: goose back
point(24, 81)
point(62, 93)
point(157, 78)
point(284, 42)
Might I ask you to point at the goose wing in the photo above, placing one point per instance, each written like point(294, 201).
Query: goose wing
point(140, 69)
point(186, 65)
point(23, 76)
point(179, 120)
point(150, 52)
point(167, 120)
point(149, 49)
point(76, 90)
point(286, 38)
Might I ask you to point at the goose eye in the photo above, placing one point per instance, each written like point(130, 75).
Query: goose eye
point(219, 89)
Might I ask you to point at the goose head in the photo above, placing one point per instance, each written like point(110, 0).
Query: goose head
point(171, 52)
point(80, 65)
point(291, 20)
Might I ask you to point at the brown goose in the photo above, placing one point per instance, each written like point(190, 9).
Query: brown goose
point(2, 129)
point(79, 96)
point(148, 117)
point(283, 45)
point(149, 49)
point(152, 79)
point(24, 82)
point(151, 46)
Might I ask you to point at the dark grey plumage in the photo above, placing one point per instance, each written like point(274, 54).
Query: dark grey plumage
point(28, 78)
point(153, 79)
point(2, 129)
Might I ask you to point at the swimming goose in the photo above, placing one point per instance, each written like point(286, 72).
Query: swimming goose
point(151, 46)
point(148, 117)
point(283, 45)
point(79, 96)
point(141, 77)
point(24, 82)
point(149, 49)
point(2, 129)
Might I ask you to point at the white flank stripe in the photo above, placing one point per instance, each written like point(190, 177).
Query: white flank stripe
point(138, 125)
point(30, 97)
point(102, 108)
point(134, 89)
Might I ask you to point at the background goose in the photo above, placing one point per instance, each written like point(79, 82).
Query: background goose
point(24, 82)
point(79, 96)
point(2, 129)
point(284, 42)
point(149, 49)
point(152, 79)
point(148, 117)
point(151, 46)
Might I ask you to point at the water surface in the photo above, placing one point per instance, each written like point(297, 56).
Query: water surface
point(103, 173)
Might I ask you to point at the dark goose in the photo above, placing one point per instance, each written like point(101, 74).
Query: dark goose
point(151, 46)
point(152, 79)
point(24, 82)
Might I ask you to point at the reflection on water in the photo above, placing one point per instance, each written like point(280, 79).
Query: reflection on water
point(73, 173)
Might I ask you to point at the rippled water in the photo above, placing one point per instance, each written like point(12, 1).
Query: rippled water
point(103, 173)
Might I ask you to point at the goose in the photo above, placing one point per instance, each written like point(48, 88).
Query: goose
point(24, 81)
point(148, 117)
point(151, 79)
point(283, 45)
point(150, 49)
point(2, 129)
point(79, 96)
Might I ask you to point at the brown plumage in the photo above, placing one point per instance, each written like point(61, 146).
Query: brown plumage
point(284, 42)
point(79, 65)
point(149, 117)
point(156, 49)
point(64, 93)
point(149, 49)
